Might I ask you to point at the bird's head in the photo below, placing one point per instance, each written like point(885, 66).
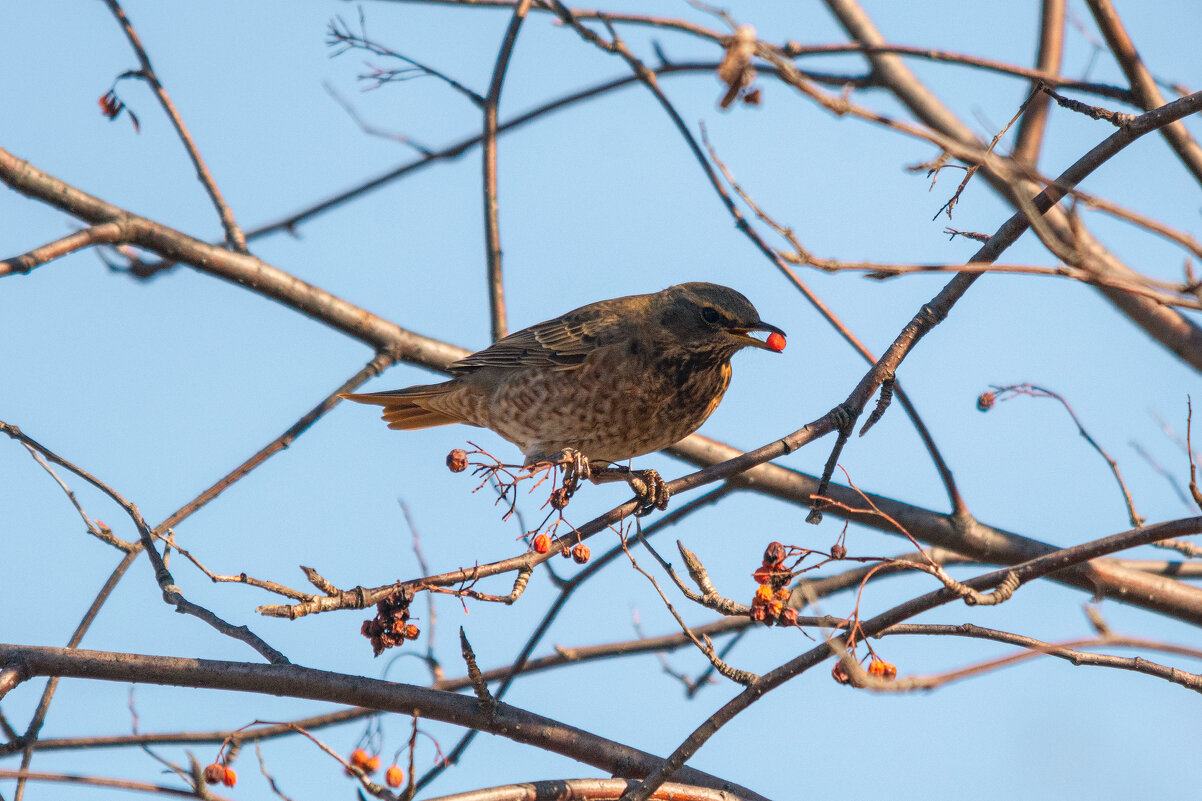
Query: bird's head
point(715, 318)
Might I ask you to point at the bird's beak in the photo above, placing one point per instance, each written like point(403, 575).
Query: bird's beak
point(775, 344)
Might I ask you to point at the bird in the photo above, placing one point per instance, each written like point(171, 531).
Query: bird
point(599, 385)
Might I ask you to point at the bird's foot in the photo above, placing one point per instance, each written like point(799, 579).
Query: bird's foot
point(650, 490)
point(576, 468)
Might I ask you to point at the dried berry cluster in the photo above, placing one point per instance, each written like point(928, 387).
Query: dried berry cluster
point(769, 606)
point(218, 773)
point(882, 669)
point(390, 627)
point(369, 763)
point(877, 667)
point(579, 552)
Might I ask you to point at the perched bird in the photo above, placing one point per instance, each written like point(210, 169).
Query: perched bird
point(602, 384)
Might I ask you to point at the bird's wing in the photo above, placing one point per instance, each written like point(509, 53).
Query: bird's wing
point(562, 343)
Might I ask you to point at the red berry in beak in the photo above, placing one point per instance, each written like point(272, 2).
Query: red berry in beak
point(776, 342)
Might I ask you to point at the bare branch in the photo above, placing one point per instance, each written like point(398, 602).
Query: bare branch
point(492, 228)
point(508, 721)
point(233, 234)
point(102, 234)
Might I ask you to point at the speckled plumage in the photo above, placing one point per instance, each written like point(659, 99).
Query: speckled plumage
point(612, 380)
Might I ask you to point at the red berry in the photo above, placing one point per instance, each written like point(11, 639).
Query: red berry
point(542, 543)
point(776, 342)
point(230, 778)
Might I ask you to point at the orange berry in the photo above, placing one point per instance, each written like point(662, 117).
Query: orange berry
point(883, 669)
point(775, 340)
point(373, 764)
point(411, 632)
point(394, 776)
point(763, 594)
point(783, 594)
point(542, 543)
point(214, 773)
point(359, 758)
point(985, 401)
point(230, 778)
point(580, 553)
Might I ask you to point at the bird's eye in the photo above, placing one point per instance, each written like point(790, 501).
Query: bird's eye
point(709, 314)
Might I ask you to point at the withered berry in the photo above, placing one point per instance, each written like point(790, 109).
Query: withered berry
point(457, 460)
point(774, 554)
point(580, 553)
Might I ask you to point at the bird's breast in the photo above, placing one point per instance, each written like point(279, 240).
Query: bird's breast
point(623, 401)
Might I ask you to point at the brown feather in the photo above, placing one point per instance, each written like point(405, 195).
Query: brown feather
point(404, 410)
point(411, 419)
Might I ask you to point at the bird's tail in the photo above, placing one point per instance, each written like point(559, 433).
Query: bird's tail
point(408, 409)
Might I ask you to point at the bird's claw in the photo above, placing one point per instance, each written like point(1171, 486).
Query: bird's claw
point(650, 491)
point(576, 468)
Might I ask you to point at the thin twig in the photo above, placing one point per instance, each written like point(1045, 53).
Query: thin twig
point(1028, 140)
point(171, 593)
point(1026, 571)
point(102, 234)
point(1143, 85)
point(233, 233)
point(96, 529)
point(492, 227)
point(1032, 391)
point(374, 367)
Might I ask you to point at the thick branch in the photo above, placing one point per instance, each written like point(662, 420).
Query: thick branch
point(298, 682)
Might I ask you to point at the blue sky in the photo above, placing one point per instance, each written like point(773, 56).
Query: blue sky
point(160, 387)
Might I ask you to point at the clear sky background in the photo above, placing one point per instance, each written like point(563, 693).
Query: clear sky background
point(160, 387)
